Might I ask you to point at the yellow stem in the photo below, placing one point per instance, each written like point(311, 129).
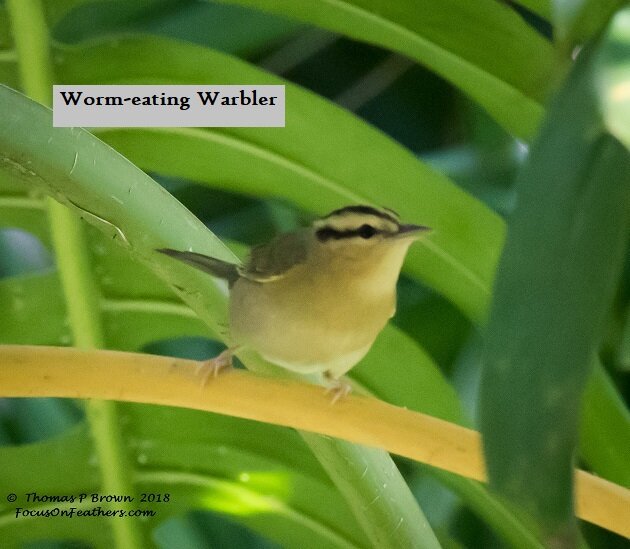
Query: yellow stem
point(28, 371)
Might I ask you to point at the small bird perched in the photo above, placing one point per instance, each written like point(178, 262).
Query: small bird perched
point(313, 301)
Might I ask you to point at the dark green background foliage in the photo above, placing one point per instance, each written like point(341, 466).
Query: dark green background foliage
point(480, 119)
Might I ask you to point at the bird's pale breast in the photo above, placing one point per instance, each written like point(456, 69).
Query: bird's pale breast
point(309, 326)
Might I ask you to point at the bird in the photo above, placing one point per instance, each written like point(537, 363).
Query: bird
point(313, 301)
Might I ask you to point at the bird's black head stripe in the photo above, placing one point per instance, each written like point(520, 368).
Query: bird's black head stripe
point(328, 233)
point(367, 210)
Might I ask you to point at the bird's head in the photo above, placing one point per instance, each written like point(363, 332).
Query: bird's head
point(364, 226)
point(365, 237)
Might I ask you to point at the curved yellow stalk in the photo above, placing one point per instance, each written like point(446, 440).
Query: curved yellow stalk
point(29, 371)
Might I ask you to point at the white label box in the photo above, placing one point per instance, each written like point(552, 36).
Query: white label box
point(204, 105)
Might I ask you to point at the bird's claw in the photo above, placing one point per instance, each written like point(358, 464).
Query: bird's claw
point(339, 390)
point(213, 366)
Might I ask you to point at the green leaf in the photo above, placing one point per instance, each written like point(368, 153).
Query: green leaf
point(605, 428)
point(555, 282)
point(499, 516)
point(613, 76)
point(232, 29)
point(330, 158)
point(578, 21)
point(353, 479)
point(510, 86)
point(71, 156)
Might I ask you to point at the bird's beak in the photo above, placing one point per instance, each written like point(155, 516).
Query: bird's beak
point(412, 231)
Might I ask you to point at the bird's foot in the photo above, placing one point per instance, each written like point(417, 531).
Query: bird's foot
point(339, 389)
point(213, 366)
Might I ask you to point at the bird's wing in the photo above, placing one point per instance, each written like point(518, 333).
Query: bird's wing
point(211, 265)
point(275, 259)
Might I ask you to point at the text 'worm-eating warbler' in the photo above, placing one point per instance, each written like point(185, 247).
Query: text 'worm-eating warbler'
point(314, 300)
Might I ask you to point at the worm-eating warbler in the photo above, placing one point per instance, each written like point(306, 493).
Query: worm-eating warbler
point(314, 300)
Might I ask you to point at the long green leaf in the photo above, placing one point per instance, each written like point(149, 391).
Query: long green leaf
point(613, 76)
point(605, 428)
point(579, 21)
point(352, 478)
point(510, 86)
point(555, 281)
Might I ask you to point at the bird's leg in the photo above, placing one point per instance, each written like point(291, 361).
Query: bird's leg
point(339, 388)
point(212, 367)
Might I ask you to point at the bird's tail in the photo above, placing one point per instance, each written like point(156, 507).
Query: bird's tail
point(211, 265)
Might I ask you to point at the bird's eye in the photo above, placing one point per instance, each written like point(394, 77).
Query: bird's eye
point(366, 231)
